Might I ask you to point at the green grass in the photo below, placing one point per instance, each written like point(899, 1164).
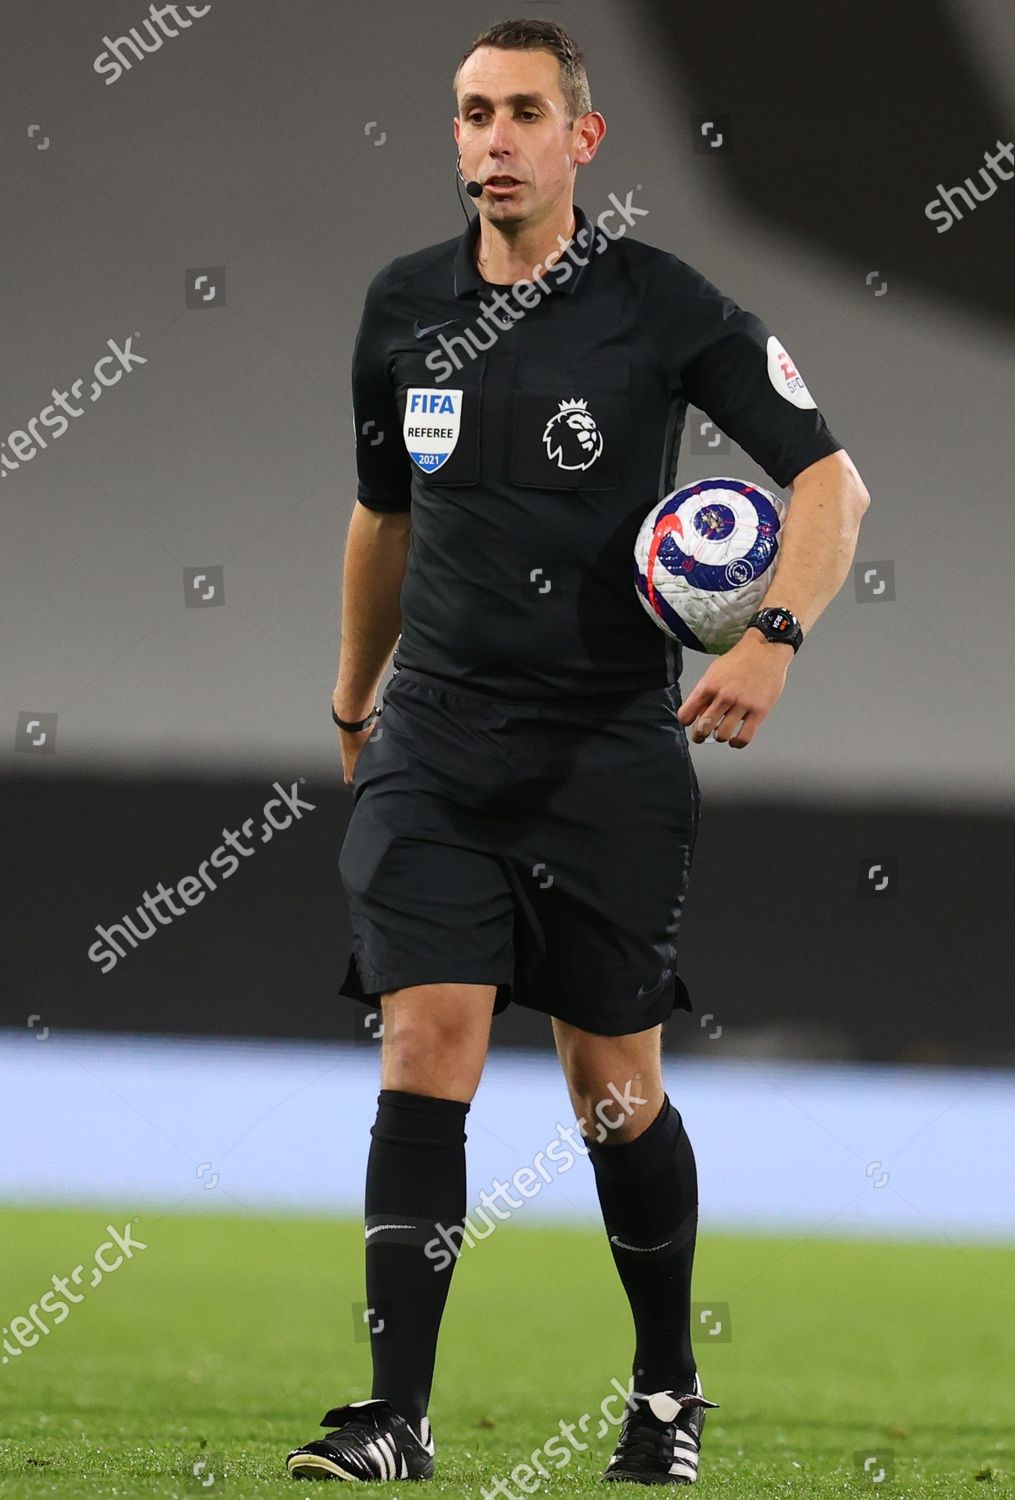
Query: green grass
point(227, 1338)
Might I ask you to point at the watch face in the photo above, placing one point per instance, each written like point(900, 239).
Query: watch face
point(780, 621)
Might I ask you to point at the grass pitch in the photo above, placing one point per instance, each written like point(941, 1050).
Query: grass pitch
point(196, 1365)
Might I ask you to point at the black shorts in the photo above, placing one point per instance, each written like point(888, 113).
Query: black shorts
point(541, 846)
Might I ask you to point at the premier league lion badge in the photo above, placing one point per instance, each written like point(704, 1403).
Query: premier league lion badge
point(571, 437)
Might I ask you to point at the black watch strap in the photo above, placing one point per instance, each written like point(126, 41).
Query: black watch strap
point(351, 728)
point(780, 625)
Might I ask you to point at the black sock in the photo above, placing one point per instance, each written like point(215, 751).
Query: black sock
point(648, 1190)
point(415, 1183)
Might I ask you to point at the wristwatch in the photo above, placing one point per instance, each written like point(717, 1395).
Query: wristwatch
point(778, 625)
point(360, 724)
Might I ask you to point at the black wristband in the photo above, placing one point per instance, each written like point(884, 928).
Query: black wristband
point(355, 728)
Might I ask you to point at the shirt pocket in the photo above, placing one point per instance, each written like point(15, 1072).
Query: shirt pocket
point(440, 420)
point(570, 423)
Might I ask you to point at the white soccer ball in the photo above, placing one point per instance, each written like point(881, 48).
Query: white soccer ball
point(703, 560)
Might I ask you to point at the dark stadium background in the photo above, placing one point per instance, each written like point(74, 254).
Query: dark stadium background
point(251, 147)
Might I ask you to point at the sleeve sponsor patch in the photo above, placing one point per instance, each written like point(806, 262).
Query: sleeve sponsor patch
point(783, 374)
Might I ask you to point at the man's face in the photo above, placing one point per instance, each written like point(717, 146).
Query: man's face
point(513, 134)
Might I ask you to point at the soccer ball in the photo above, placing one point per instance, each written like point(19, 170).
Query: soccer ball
point(703, 560)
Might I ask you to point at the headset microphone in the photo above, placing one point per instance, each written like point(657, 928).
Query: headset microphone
point(473, 188)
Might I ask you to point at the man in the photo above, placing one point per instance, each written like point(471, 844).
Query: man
point(525, 813)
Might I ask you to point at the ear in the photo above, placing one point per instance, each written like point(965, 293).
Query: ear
point(593, 128)
point(457, 126)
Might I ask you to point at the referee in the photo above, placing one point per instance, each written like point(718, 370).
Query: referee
point(525, 812)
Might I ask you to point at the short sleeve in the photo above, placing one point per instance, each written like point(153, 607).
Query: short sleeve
point(735, 369)
point(382, 463)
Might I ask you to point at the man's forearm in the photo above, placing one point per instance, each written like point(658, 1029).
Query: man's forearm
point(818, 540)
point(374, 569)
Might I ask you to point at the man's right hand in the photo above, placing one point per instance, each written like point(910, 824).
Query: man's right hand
point(350, 746)
point(375, 563)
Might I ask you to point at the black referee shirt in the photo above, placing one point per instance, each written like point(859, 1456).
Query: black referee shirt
point(530, 430)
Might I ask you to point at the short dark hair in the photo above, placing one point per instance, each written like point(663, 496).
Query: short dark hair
point(524, 35)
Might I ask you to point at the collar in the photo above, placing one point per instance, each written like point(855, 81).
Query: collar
point(467, 279)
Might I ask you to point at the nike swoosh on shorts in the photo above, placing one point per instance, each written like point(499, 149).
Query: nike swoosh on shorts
point(651, 988)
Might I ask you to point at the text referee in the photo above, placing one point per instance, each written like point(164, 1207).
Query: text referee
point(525, 811)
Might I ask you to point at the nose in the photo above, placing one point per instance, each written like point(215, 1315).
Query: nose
point(501, 136)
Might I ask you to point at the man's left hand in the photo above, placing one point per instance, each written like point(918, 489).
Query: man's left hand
point(737, 691)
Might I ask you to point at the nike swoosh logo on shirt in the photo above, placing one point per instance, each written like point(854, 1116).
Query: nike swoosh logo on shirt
point(422, 332)
point(378, 1227)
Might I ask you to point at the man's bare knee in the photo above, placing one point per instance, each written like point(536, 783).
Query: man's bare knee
point(615, 1083)
point(435, 1039)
